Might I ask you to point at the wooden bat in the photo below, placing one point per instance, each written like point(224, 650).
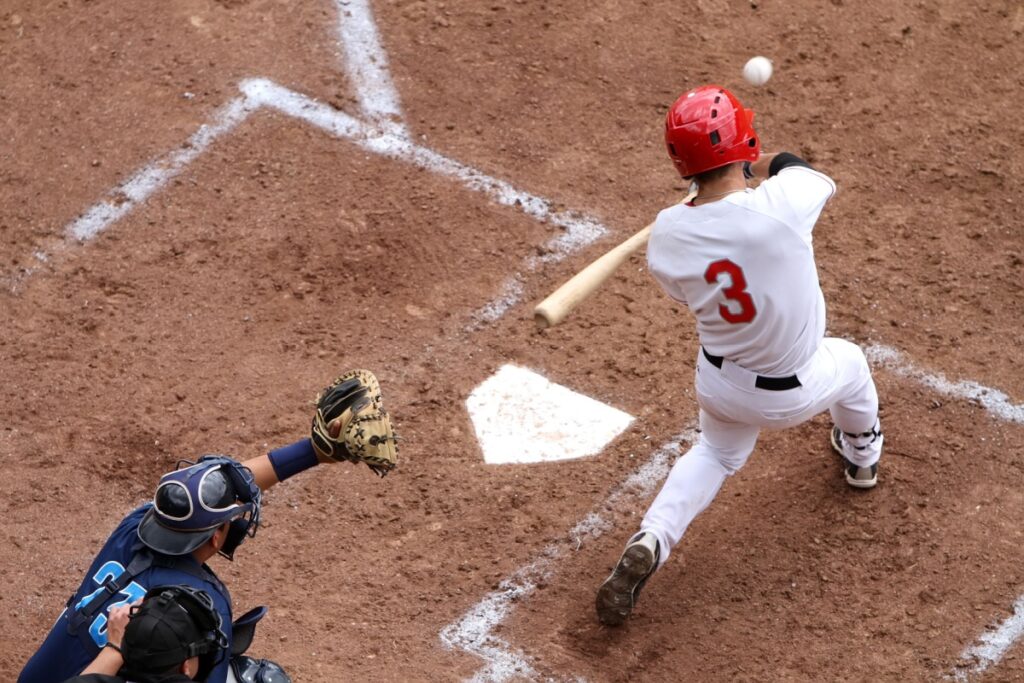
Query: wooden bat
point(563, 300)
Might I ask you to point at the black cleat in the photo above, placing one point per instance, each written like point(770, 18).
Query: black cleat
point(618, 594)
point(856, 476)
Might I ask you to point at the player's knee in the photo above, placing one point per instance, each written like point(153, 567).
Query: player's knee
point(731, 459)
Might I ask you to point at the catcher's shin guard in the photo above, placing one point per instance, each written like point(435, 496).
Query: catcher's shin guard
point(617, 596)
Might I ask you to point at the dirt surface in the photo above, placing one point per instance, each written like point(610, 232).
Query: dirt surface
point(204, 320)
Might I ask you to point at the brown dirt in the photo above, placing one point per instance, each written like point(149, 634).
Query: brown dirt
point(203, 321)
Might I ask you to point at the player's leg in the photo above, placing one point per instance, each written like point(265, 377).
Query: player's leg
point(722, 449)
point(857, 431)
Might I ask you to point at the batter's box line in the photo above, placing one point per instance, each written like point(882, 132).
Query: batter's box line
point(994, 401)
point(474, 632)
point(575, 230)
point(989, 648)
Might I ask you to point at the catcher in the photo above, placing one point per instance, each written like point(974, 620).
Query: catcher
point(205, 509)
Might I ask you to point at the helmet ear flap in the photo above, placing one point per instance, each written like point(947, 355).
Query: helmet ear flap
point(248, 492)
point(238, 529)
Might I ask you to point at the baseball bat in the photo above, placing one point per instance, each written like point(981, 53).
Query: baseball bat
point(563, 300)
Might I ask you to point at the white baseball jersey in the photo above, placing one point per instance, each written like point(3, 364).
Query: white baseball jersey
point(745, 267)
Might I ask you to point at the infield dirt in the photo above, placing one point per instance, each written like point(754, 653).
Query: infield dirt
point(206, 320)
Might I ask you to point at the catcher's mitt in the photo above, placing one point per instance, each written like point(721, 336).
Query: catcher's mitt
point(351, 424)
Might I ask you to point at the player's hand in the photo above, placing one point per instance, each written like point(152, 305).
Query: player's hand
point(117, 621)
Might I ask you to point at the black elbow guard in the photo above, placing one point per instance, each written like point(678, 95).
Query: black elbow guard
point(784, 159)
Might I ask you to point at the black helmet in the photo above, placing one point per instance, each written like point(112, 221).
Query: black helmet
point(173, 624)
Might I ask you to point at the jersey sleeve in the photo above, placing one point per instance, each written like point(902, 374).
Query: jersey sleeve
point(659, 258)
point(796, 195)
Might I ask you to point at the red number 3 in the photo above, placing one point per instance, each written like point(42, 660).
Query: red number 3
point(736, 291)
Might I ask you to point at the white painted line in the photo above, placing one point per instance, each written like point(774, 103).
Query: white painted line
point(993, 400)
point(156, 174)
point(580, 229)
point(511, 293)
point(123, 198)
point(576, 230)
point(990, 647)
point(474, 632)
point(523, 417)
point(366, 63)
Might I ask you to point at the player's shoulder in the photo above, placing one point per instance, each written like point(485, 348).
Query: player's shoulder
point(800, 177)
point(671, 218)
point(124, 537)
point(666, 231)
point(668, 215)
point(177, 575)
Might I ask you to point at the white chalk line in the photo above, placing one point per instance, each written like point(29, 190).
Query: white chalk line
point(123, 198)
point(366, 63)
point(993, 400)
point(155, 175)
point(474, 632)
point(988, 649)
point(575, 230)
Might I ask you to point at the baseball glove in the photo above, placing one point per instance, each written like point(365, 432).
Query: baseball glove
point(351, 424)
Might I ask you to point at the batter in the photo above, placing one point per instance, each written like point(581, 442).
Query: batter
point(742, 260)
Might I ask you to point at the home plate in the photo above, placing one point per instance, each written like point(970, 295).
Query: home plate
point(521, 417)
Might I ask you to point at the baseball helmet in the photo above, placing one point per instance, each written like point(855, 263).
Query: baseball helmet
point(191, 504)
point(173, 624)
point(706, 128)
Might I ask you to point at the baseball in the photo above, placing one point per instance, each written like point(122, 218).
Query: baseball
point(757, 70)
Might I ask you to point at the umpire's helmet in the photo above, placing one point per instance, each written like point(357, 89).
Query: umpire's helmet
point(173, 624)
point(706, 128)
point(192, 503)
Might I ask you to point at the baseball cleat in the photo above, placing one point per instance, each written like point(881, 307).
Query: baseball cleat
point(618, 594)
point(856, 476)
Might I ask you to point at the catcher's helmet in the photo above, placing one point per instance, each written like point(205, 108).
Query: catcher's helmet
point(706, 128)
point(192, 503)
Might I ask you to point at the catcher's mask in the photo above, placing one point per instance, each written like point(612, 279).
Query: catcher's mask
point(191, 504)
point(173, 624)
point(706, 128)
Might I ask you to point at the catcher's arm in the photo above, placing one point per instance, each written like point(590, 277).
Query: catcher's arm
point(263, 470)
point(350, 423)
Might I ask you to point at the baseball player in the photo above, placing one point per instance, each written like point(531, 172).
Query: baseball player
point(742, 260)
point(205, 509)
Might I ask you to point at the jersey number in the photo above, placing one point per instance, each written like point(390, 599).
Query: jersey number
point(736, 291)
point(132, 592)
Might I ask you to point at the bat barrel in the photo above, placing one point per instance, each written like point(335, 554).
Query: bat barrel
point(546, 315)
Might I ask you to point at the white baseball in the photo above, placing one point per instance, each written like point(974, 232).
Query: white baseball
point(757, 70)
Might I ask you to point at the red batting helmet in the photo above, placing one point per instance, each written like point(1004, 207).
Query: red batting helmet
point(707, 127)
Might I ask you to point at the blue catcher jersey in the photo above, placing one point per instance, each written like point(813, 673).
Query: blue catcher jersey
point(64, 654)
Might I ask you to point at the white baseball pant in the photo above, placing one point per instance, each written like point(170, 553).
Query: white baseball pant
point(732, 413)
